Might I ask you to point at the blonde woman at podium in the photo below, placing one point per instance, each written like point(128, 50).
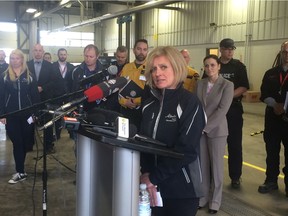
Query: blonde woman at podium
point(174, 116)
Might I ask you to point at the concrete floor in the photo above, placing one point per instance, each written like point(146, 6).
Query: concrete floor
point(25, 198)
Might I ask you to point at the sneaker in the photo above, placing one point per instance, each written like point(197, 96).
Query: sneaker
point(17, 177)
point(267, 187)
point(235, 184)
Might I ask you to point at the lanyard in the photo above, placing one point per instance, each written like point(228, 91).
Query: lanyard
point(62, 69)
point(282, 81)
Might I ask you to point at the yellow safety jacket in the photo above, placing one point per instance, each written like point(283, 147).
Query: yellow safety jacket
point(191, 80)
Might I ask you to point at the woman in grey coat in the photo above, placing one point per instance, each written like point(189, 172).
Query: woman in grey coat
point(215, 94)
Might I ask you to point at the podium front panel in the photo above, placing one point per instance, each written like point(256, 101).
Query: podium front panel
point(107, 179)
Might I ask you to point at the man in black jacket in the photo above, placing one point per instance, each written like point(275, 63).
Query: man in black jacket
point(274, 90)
point(50, 85)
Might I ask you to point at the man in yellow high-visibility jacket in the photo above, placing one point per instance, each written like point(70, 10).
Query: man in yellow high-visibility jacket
point(192, 75)
point(130, 106)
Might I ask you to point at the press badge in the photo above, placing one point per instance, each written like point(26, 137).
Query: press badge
point(30, 120)
point(142, 77)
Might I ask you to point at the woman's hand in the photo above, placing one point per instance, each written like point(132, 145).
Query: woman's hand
point(152, 189)
point(130, 103)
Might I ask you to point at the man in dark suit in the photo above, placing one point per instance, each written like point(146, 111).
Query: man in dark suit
point(50, 85)
point(63, 68)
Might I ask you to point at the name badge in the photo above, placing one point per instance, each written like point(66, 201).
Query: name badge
point(142, 77)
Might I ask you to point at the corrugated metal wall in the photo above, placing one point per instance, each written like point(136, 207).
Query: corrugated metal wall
point(190, 23)
point(257, 26)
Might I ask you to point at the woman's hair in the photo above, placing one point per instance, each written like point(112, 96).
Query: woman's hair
point(12, 74)
point(174, 57)
point(212, 56)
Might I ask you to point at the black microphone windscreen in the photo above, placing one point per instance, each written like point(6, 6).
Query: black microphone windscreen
point(97, 119)
point(112, 70)
point(109, 116)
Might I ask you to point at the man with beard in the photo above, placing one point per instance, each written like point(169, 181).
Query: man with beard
point(63, 68)
point(130, 105)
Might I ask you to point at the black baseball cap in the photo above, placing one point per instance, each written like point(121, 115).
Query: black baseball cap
point(227, 43)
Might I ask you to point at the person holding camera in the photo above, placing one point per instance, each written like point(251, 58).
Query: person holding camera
point(274, 89)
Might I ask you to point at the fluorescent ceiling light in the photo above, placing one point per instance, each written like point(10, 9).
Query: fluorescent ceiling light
point(31, 10)
point(64, 2)
point(37, 14)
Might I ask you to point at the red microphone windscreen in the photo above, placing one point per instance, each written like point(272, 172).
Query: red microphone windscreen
point(105, 89)
point(94, 93)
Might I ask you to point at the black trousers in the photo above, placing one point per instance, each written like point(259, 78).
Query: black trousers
point(20, 133)
point(275, 132)
point(234, 140)
point(177, 207)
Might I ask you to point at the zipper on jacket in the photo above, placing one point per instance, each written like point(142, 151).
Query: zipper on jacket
point(158, 117)
point(29, 99)
point(8, 99)
point(186, 175)
point(19, 96)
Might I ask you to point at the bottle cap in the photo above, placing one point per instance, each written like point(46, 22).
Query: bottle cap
point(143, 186)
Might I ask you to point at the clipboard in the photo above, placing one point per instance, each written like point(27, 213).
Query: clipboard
point(131, 90)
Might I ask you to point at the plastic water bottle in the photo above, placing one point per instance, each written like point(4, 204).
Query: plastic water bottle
point(144, 201)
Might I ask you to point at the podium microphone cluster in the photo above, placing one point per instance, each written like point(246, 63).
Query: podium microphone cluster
point(92, 94)
point(97, 92)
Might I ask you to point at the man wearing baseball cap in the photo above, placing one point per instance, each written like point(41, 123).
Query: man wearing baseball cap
point(234, 71)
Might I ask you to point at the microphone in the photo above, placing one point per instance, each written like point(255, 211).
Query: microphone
point(105, 89)
point(112, 70)
point(122, 128)
point(97, 92)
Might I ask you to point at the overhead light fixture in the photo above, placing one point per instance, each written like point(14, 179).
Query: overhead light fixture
point(108, 14)
point(64, 2)
point(31, 10)
point(37, 14)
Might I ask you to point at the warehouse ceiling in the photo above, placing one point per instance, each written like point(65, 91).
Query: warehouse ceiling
point(71, 7)
point(90, 12)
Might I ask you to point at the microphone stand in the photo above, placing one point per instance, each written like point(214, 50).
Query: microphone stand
point(44, 156)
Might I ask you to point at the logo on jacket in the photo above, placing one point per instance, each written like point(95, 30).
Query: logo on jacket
point(170, 118)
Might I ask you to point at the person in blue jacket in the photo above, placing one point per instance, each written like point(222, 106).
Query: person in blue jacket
point(174, 116)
